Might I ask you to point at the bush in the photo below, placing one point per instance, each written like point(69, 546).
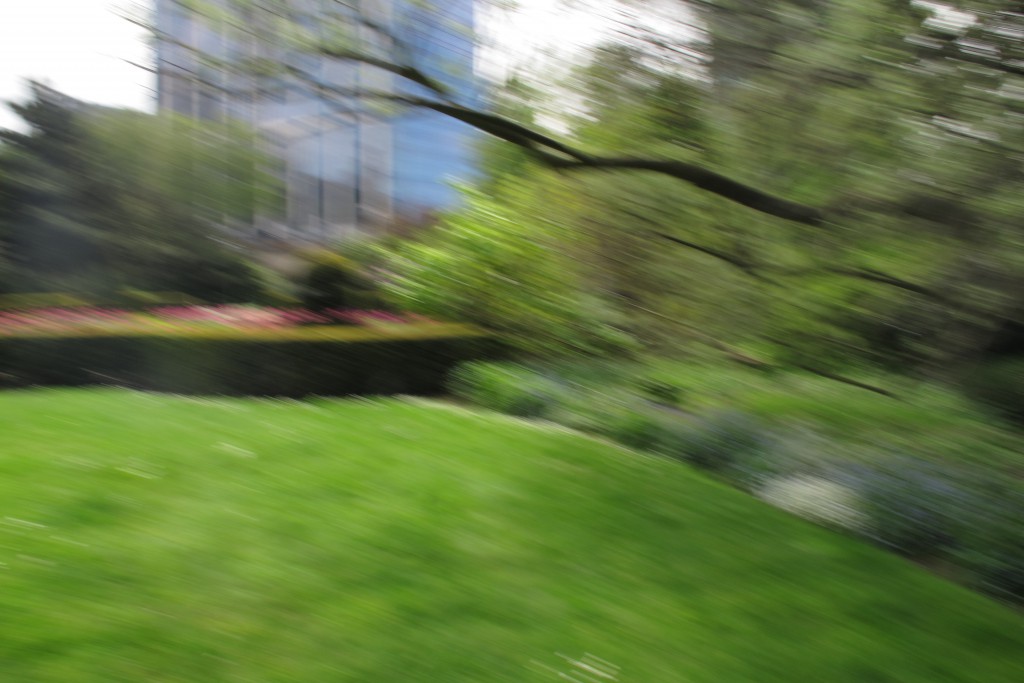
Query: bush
point(637, 427)
point(913, 507)
point(992, 548)
point(122, 298)
point(718, 442)
point(216, 276)
point(505, 387)
point(1000, 385)
point(660, 391)
point(292, 362)
point(136, 299)
point(42, 300)
point(589, 411)
point(335, 282)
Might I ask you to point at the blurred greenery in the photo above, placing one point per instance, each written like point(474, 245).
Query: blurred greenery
point(98, 200)
point(881, 114)
point(931, 477)
point(861, 368)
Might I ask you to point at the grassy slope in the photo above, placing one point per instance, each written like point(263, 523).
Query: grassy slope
point(161, 539)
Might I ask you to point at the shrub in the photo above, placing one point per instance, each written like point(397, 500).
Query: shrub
point(505, 387)
point(913, 507)
point(588, 410)
point(213, 276)
point(660, 391)
point(122, 298)
point(335, 282)
point(992, 548)
point(138, 299)
point(289, 362)
point(42, 300)
point(1000, 385)
point(637, 427)
point(718, 442)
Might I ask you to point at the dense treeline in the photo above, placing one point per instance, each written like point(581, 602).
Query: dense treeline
point(900, 123)
point(99, 201)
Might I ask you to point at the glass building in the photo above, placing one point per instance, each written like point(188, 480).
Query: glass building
point(347, 168)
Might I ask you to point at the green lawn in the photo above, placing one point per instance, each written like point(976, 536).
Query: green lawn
point(154, 539)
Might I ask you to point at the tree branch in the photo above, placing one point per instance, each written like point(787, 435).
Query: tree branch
point(703, 178)
point(846, 380)
point(879, 277)
point(545, 148)
point(749, 361)
point(406, 71)
point(731, 259)
point(559, 155)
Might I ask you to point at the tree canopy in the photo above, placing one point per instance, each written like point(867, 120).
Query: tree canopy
point(850, 168)
point(98, 200)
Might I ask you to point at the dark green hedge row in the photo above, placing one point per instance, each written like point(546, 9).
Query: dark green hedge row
point(128, 298)
point(196, 364)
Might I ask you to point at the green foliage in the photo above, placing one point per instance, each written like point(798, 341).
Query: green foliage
point(214, 276)
point(211, 172)
point(138, 299)
point(504, 387)
point(294, 362)
point(992, 543)
point(660, 391)
point(43, 300)
point(508, 271)
point(334, 282)
point(719, 442)
point(500, 162)
point(125, 298)
point(901, 128)
point(99, 200)
point(914, 507)
point(827, 458)
point(909, 149)
point(999, 384)
point(637, 426)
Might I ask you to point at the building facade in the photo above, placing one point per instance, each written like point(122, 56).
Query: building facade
point(348, 168)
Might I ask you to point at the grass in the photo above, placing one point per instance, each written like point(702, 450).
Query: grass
point(162, 539)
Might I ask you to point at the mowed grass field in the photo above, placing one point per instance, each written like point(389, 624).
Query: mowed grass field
point(161, 539)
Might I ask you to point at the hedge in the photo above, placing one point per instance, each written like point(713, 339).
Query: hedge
point(288, 362)
point(131, 298)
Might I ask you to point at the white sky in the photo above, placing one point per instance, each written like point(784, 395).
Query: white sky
point(80, 46)
point(76, 46)
point(535, 28)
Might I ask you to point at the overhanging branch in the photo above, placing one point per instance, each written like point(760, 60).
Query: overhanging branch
point(700, 177)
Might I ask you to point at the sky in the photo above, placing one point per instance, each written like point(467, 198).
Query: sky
point(82, 47)
point(78, 47)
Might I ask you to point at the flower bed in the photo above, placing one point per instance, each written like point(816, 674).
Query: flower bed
point(170, 318)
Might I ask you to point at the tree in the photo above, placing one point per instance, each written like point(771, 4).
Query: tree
point(874, 140)
point(498, 264)
point(99, 200)
point(290, 32)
